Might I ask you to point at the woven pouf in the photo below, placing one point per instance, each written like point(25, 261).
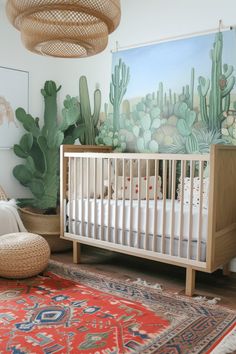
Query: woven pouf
point(23, 255)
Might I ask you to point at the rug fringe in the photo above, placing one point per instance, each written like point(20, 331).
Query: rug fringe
point(139, 281)
point(207, 301)
point(227, 345)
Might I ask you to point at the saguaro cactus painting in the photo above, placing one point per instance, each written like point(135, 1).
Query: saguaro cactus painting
point(177, 96)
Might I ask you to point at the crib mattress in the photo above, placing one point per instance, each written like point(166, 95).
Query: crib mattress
point(135, 236)
point(139, 217)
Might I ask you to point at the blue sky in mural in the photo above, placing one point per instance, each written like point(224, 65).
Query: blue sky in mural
point(171, 62)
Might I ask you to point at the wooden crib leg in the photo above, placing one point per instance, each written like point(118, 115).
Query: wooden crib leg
point(226, 269)
point(76, 252)
point(190, 281)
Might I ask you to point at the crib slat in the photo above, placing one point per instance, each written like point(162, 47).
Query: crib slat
point(181, 211)
point(116, 197)
point(70, 211)
point(163, 235)
point(102, 204)
point(169, 179)
point(130, 233)
point(172, 226)
point(95, 200)
point(201, 167)
point(147, 206)
point(109, 199)
point(75, 185)
point(88, 198)
point(123, 202)
point(82, 196)
point(155, 216)
point(190, 226)
point(139, 203)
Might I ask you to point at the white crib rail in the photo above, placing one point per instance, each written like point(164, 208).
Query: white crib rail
point(113, 198)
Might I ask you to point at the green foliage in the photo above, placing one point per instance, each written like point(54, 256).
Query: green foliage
point(146, 120)
point(185, 124)
point(106, 136)
point(40, 149)
point(78, 110)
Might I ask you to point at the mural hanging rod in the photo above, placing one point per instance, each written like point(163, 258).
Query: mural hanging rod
point(220, 28)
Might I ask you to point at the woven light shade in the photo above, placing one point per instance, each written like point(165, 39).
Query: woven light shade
point(67, 29)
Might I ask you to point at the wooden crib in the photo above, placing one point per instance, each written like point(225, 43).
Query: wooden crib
point(178, 209)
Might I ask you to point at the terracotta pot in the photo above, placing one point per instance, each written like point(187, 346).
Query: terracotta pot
point(47, 226)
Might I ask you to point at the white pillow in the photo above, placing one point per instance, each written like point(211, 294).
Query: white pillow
point(136, 189)
point(196, 191)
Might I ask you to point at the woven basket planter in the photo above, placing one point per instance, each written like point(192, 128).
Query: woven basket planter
point(47, 226)
point(23, 255)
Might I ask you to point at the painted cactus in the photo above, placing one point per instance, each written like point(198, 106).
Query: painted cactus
point(118, 86)
point(40, 149)
point(106, 136)
point(79, 110)
point(146, 120)
point(222, 82)
point(185, 124)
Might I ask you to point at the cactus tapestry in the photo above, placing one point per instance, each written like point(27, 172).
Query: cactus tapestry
point(176, 97)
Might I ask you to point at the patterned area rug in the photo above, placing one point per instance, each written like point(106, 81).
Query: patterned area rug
point(68, 310)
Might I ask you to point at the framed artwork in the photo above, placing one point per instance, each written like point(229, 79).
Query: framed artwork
point(14, 93)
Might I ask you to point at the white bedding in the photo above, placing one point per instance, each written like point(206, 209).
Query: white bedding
point(168, 215)
point(138, 239)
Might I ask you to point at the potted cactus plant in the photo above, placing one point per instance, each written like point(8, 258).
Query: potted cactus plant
point(40, 149)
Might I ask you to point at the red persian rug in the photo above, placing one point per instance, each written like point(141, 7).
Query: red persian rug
point(68, 310)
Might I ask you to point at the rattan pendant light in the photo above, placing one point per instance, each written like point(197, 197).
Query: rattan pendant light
point(61, 28)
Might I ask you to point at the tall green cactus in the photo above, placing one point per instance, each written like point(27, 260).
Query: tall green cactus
point(222, 82)
point(79, 111)
point(40, 149)
point(118, 86)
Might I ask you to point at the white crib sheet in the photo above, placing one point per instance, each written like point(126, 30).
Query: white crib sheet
point(101, 208)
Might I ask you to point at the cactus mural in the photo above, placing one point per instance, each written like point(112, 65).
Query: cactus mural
point(220, 86)
point(146, 119)
point(185, 124)
point(180, 116)
point(119, 82)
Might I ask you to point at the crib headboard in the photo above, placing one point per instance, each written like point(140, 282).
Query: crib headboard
point(222, 205)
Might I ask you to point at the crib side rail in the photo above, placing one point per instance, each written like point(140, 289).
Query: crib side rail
point(222, 206)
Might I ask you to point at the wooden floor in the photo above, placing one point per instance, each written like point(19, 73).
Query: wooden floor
point(171, 278)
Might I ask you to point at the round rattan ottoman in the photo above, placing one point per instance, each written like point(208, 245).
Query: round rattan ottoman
point(23, 255)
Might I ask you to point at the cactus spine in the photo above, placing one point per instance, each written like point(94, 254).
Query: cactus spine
point(221, 85)
point(118, 86)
